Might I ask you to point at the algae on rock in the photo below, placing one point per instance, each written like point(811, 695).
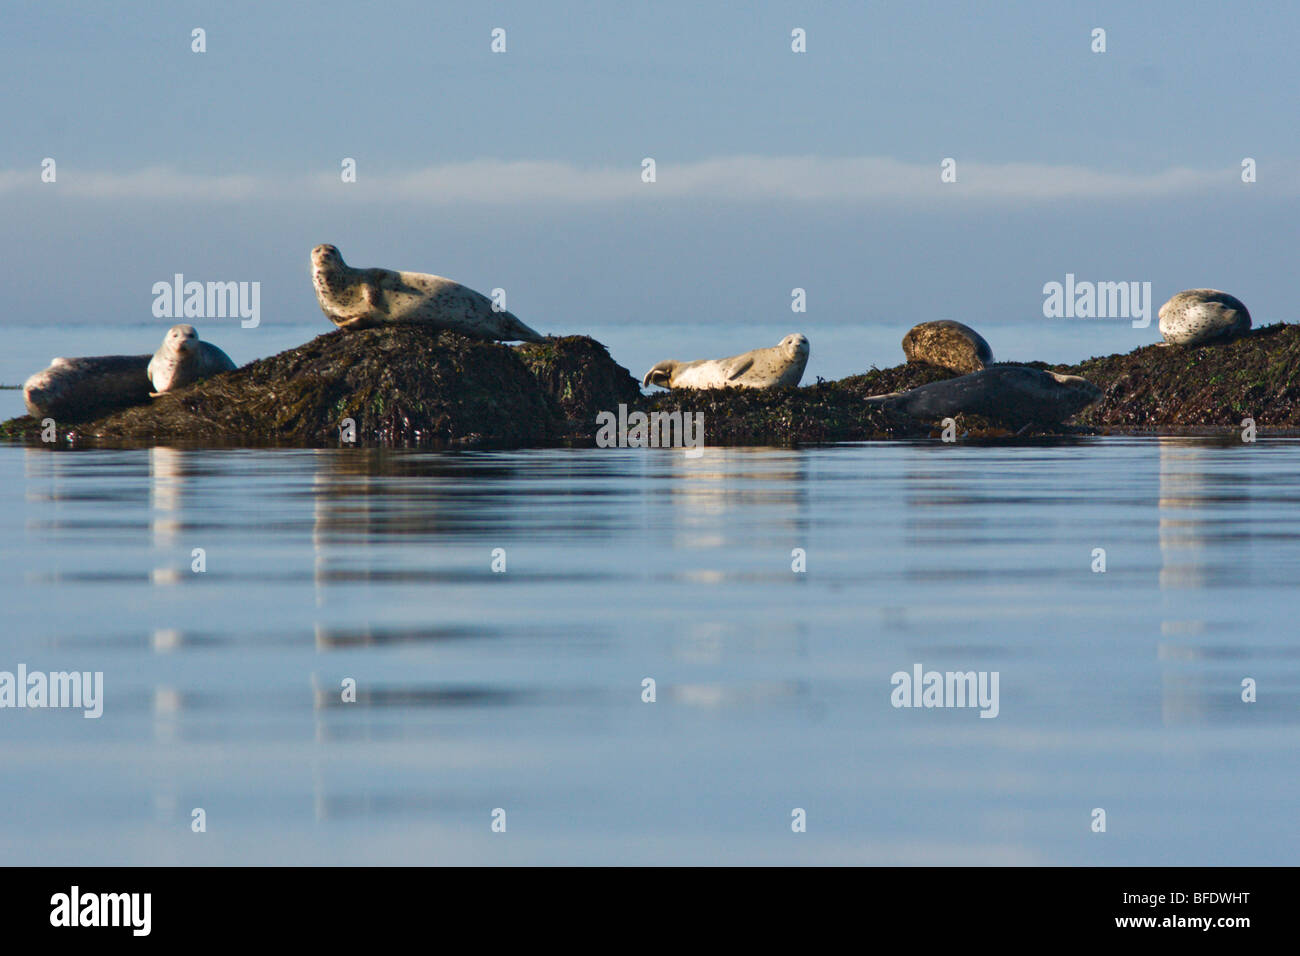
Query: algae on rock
point(406, 385)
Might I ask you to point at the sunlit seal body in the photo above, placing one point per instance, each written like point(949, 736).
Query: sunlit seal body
point(74, 389)
point(363, 298)
point(1202, 315)
point(182, 359)
point(947, 344)
point(782, 364)
point(1012, 394)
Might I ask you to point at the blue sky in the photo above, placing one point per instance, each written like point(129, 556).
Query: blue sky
point(775, 169)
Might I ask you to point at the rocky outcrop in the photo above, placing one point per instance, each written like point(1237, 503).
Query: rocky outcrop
point(1177, 389)
point(396, 385)
point(406, 385)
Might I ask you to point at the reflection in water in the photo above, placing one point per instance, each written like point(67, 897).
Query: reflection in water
point(421, 696)
point(1184, 550)
point(328, 639)
point(168, 705)
point(524, 688)
point(42, 474)
point(167, 639)
point(1184, 488)
point(1206, 542)
point(723, 482)
point(758, 695)
point(1205, 497)
point(166, 486)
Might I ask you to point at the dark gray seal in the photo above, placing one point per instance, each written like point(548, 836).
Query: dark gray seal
point(1202, 315)
point(782, 364)
point(947, 344)
point(363, 298)
point(183, 359)
point(75, 389)
point(1011, 394)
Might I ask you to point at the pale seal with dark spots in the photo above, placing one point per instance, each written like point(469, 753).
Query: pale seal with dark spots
point(782, 364)
point(947, 344)
point(1202, 315)
point(75, 389)
point(364, 298)
point(183, 359)
point(1012, 394)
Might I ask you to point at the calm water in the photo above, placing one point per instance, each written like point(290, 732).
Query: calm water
point(522, 690)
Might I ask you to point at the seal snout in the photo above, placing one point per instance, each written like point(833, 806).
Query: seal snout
point(326, 255)
point(183, 337)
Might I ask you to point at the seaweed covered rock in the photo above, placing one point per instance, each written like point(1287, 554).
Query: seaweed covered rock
point(899, 378)
point(577, 373)
point(824, 412)
point(821, 412)
point(402, 385)
point(1194, 388)
point(408, 385)
point(397, 384)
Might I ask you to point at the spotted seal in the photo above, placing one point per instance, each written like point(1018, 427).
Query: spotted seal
point(182, 359)
point(76, 389)
point(782, 364)
point(363, 298)
point(1012, 394)
point(1195, 316)
point(947, 344)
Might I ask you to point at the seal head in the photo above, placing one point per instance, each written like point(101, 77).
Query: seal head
point(183, 359)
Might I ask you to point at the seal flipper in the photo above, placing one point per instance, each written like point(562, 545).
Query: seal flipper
point(373, 296)
point(734, 372)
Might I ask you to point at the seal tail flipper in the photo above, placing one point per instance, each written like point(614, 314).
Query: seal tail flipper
point(522, 332)
point(661, 374)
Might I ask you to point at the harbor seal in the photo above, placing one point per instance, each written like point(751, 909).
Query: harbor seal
point(182, 359)
point(782, 364)
point(947, 344)
point(1013, 394)
point(76, 389)
point(1202, 315)
point(363, 298)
